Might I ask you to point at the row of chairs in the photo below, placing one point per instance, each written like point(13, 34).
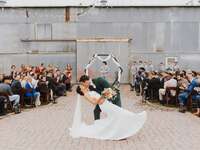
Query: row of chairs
point(170, 99)
point(25, 101)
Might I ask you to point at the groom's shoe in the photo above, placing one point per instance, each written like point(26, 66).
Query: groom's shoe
point(123, 139)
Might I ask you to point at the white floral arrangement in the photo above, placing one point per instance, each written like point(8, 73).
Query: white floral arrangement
point(108, 93)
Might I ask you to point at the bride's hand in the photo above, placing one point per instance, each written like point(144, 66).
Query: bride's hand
point(101, 101)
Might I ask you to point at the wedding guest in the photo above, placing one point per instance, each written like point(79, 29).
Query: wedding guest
point(68, 75)
point(23, 80)
point(52, 84)
point(31, 91)
point(5, 88)
point(154, 85)
point(161, 67)
point(176, 66)
point(197, 98)
point(146, 66)
point(22, 68)
point(138, 79)
point(41, 67)
point(43, 87)
point(183, 97)
point(169, 66)
point(145, 86)
point(150, 66)
point(170, 82)
point(13, 71)
point(16, 85)
point(182, 82)
point(140, 64)
point(61, 86)
point(69, 69)
point(133, 72)
point(50, 68)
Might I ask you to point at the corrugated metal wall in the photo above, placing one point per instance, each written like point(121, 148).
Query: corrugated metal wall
point(173, 31)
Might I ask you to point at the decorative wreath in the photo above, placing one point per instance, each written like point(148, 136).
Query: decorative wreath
point(109, 56)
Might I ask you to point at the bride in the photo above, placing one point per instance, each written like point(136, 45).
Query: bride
point(118, 124)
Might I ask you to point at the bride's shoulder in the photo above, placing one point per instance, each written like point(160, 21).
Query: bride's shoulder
point(94, 94)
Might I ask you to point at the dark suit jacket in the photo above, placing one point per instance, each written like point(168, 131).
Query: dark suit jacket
point(100, 84)
point(16, 87)
point(155, 83)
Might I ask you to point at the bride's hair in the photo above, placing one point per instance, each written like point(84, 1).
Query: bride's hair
point(78, 90)
point(83, 78)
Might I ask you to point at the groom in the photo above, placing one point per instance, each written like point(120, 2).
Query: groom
point(101, 84)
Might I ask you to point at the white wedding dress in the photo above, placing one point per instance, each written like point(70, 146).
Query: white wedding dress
point(119, 123)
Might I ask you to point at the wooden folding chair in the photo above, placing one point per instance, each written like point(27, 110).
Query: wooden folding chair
point(8, 102)
point(171, 98)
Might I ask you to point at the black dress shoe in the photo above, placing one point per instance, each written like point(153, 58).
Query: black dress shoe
point(182, 109)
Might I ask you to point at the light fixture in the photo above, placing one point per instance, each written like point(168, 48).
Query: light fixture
point(2, 2)
point(103, 2)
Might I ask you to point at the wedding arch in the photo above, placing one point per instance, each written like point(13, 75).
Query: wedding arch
point(108, 57)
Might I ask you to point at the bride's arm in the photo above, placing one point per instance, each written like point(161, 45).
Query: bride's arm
point(93, 100)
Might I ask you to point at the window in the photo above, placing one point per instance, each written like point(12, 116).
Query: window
point(43, 31)
point(170, 60)
point(67, 14)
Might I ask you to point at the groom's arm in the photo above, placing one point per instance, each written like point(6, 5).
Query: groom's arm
point(104, 83)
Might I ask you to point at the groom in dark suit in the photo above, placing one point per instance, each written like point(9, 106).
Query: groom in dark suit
point(101, 84)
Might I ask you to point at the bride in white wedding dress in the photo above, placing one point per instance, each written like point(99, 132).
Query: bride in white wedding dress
point(118, 124)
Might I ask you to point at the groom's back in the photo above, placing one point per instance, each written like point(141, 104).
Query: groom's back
point(100, 84)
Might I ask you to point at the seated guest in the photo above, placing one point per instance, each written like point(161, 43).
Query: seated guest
point(42, 84)
point(43, 87)
point(36, 70)
point(50, 68)
point(196, 98)
point(182, 82)
point(161, 67)
point(170, 82)
point(16, 85)
point(41, 67)
point(183, 97)
point(5, 88)
point(154, 85)
point(31, 91)
point(23, 80)
point(161, 76)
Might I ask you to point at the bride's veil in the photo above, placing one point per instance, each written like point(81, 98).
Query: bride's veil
point(74, 130)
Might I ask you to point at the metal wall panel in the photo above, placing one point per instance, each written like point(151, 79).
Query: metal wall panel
point(155, 32)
